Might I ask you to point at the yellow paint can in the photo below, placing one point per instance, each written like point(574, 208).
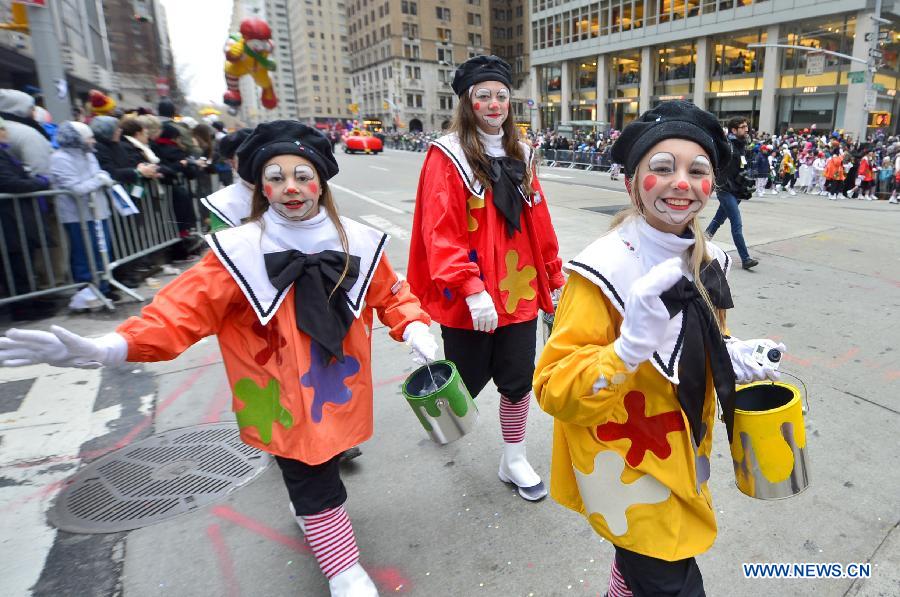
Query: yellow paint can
point(768, 446)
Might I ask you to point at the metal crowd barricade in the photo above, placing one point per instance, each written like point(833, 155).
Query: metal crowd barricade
point(154, 227)
point(25, 233)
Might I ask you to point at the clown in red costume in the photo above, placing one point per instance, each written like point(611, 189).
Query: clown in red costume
point(291, 296)
point(483, 256)
point(248, 54)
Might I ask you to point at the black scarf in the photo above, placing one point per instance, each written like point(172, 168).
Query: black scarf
point(506, 176)
point(27, 122)
point(702, 337)
point(325, 320)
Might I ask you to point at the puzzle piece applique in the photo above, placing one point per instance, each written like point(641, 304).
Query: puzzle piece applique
point(274, 342)
point(603, 492)
point(517, 283)
point(645, 433)
point(262, 408)
point(473, 202)
point(327, 381)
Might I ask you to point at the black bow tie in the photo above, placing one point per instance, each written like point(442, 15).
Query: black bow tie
point(324, 318)
point(702, 336)
point(506, 176)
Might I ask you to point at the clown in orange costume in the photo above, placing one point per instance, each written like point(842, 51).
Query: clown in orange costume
point(291, 296)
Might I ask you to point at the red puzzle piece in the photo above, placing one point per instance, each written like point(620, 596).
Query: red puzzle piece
point(645, 433)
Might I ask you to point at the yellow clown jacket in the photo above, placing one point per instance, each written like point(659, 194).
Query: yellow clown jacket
point(623, 454)
point(288, 402)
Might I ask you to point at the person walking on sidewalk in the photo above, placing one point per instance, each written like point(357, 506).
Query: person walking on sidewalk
point(291, 296)
point(483, 257)
point(834, 176)
point(632, 388)
point(731, 188)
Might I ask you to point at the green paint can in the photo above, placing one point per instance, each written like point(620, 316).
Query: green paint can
point(441, 402)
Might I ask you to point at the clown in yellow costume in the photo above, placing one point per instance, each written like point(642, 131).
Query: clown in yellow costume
point(638, 355)
point(248, 54)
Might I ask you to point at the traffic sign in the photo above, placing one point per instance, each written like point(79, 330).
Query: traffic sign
point(871, 100)
point(875, 53)
point(858, 76)
point(882, 35)
point(815, 64)
point(530, 103)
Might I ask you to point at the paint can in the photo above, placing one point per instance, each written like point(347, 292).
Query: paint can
point(440, 400)
point(768, 447)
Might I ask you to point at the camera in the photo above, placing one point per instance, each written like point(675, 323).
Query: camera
point(766, 355)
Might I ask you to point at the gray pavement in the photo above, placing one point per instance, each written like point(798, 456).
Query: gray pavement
point(436, 521)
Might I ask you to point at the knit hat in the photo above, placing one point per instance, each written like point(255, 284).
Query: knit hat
point(100, 103)
point(104, 127)
point(480, 69)
point(284, 137)
point(230, 142)
point(676, 119)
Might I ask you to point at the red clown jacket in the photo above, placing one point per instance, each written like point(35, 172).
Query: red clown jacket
point(460, 246)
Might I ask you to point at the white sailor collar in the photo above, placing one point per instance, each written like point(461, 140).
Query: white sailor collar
point(449, 145)
point(242, 251)
point(613, 263)
point(232, 203)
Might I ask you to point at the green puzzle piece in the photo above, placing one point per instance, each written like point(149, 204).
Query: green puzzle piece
point(261, 407)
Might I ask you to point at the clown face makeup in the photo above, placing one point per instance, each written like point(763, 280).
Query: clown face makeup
point(673, 183)
point(292, 186)
point(490, 102)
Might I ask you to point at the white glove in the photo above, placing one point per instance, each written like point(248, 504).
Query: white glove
point(422, 343)
point(484, 314)
point(646, 316)
point(746, 367)
point(61, 348)
point(104, 178)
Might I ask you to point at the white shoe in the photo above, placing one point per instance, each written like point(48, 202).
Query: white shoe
point(515, 469)
point(352, 582)
point(774, 192)
point(893, 200)
point(299, 519)
point(83, 300)
point(792, 192)
point(869, 198)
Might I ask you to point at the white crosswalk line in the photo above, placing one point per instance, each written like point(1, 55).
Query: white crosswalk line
point(386, 226)
point(365, 198)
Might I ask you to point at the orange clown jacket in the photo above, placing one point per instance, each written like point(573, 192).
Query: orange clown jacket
point(287, 403)
point(623, 454)
point(460, 247)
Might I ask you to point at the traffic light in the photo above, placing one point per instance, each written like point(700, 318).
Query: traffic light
point(19, 19)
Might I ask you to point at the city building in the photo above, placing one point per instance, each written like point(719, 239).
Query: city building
point(609, 60)
point(93, 47)
point(140, 51)
point(321, 61)
point(403, 54)
point(510, 33)
point(275, 13)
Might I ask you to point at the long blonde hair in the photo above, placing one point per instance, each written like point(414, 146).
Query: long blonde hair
point(465, 125)
point(259, 204)
point(699, 256)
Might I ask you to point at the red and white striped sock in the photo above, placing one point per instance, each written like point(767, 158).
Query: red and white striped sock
point(617, 586)
point(330, 535)
point(513, 418)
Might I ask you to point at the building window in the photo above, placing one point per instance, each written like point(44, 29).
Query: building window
point(413, 72)
point(445, 102)
point(410, 30)
point(445, 55)
point(475, 39)
point(473, 18)
point(408, 8)
point(413, 100)
point(442, 13)
point(410, 51)
point(443, 34)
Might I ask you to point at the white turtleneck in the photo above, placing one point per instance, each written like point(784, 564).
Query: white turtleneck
point(310, 236)
point(493, 144)
point(655, 246)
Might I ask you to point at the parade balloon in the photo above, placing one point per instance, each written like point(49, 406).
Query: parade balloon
point(248, 54)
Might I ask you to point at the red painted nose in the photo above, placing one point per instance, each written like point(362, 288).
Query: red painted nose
point(291, 191)
point(682, 185)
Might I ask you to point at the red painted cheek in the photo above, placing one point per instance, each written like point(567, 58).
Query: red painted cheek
point(477, 106)
point(267, 189)
point(706, 185)
point(313, 187)
point(649, 182)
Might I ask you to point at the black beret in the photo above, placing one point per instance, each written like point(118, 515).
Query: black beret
point(284, 137)
point(230, 142)
point(479, 69)
point(676, 119)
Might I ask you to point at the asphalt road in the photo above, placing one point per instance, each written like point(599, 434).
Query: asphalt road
point(436, 521)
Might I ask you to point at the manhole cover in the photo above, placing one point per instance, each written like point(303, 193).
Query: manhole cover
point(157, 479)
point(609, 210)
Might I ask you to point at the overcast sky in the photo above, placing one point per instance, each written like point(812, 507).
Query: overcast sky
point(198, 30)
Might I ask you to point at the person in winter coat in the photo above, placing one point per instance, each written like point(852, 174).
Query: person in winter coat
point(291, 296)
point(177, 168)
point(761, 169)
point(27, 140)
point(114, 157)
point(15, 179)
point(74, 167)
point(788, 171)
point(483, 257)
point(633, 388)
point(834, 176)
point(866, 175)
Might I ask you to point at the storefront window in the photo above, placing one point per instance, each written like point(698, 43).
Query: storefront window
point(552, 78)
point(587, 75)
point(626, 69)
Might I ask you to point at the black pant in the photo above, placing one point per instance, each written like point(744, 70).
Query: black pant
point(506, 356)
point(313, 487)
point(652, 577)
